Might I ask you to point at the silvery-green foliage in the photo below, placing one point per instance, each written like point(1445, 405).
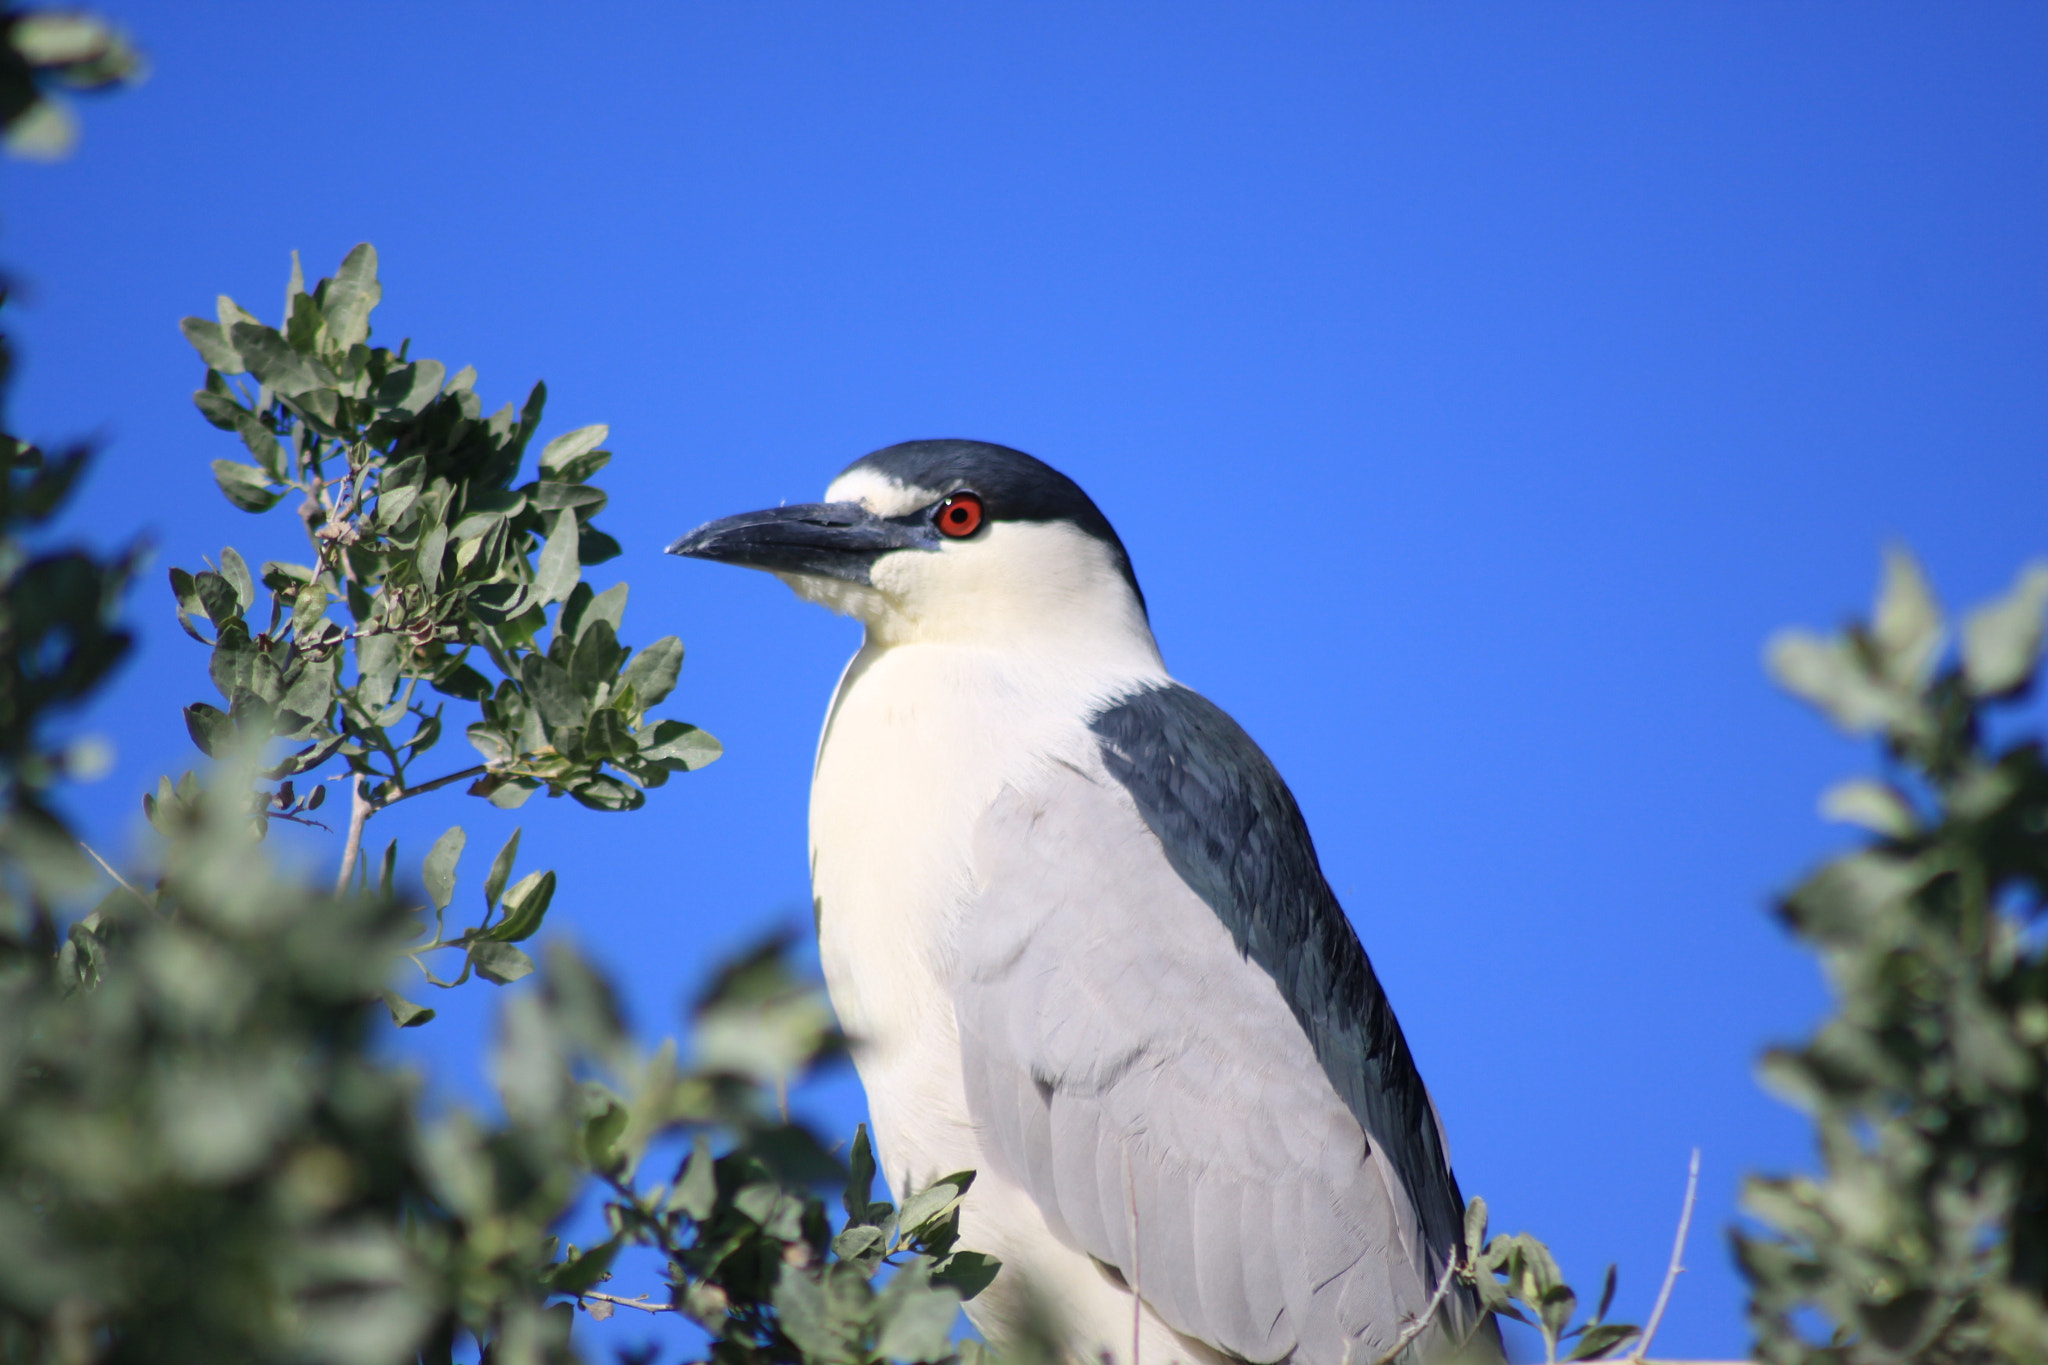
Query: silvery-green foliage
point(444, 572)
point(1517, 1277)
point(1925, 1236)
point(432, 579)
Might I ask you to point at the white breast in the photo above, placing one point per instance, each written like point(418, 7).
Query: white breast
point(920, 739)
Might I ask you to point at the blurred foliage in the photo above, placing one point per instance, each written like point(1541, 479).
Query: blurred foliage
point(43, 51)
point(1926, 1236)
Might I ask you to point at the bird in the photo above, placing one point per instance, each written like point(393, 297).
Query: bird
point(1072, 918)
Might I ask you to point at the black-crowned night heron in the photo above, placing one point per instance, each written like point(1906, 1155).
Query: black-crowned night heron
point(1074, 921)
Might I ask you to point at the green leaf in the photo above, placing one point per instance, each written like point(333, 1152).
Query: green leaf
point(696, 1190)
point(211, 341)
point(968, 1272)
point(506, 793)
point(596, 547)
point(1876, 806)
point(579, 1274)
point(678, 745)
point(186, 590)
point(553, 695)
point(433, 547)
point(350, 296)
point(595, 659)
point(246, 486)
point(309, 608)
point(917, 1316)
point(653, 672)
point(217, 597)
point(553, 497)
point(438, 872)
point(605, 792)
point(608, 606)
point(408, 389)
point(859, 1242)
point(219, 408)
point(210, 729)
point(1828, 674)
point(566, 448)
point(2002, 640)
point(526, 904)
point(273, 360)
point(1597, 1341)
point(463, 682)
point(377, 660)
point(1475, 1228)
point(860, 1178)
point(235, 570)
point(501, 868)
point(933, 1202)
point(498, 962)
point(608, 736)
point(1907, 629)
point(824, 1314)
point(304, 326)
point(557, 571)
point(404, 1012)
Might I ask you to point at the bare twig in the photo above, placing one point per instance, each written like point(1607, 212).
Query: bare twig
point(638, 1301)
point(108, 868)
point(1692, 1189)
point(403, 792)
point(359, 811)
point(1436, 1302)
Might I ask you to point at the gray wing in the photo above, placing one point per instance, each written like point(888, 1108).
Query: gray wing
point(1138, 1073)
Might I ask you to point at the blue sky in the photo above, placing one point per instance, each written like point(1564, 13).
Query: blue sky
point(1476, 387)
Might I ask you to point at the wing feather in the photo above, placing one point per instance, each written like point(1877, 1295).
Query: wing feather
point(1121, 1052)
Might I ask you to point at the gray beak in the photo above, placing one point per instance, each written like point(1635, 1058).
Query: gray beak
point(830, 539)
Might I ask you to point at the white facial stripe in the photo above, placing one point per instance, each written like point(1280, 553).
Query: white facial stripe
point(879, 493)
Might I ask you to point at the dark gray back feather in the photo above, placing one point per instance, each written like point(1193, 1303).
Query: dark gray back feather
point(1232, 831)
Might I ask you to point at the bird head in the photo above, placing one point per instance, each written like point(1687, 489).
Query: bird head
point(945, 541)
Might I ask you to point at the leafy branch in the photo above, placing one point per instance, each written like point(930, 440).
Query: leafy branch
point(431, 572)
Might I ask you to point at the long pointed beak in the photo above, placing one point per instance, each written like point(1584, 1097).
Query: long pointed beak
point(833, 539)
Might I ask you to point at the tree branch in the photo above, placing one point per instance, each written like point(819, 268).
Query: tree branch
point(1692, 1189)
point(109, 870)
point(1428, 1315)
point(403, 792)
point(640, 1302)
point(360, 811)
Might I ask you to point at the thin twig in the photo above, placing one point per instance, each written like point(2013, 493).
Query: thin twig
point(1421, 1324)
point(359, 811)
point(1692, 1189)
point(403, 792)
point(639, 1302)
point(109, 869)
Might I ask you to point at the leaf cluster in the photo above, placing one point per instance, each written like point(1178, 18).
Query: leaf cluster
point(443, 570)
point(1517, 1277)
point(753, 1257)
point(1925, 1237)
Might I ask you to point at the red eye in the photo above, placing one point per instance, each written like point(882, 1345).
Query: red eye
point(959, 515)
